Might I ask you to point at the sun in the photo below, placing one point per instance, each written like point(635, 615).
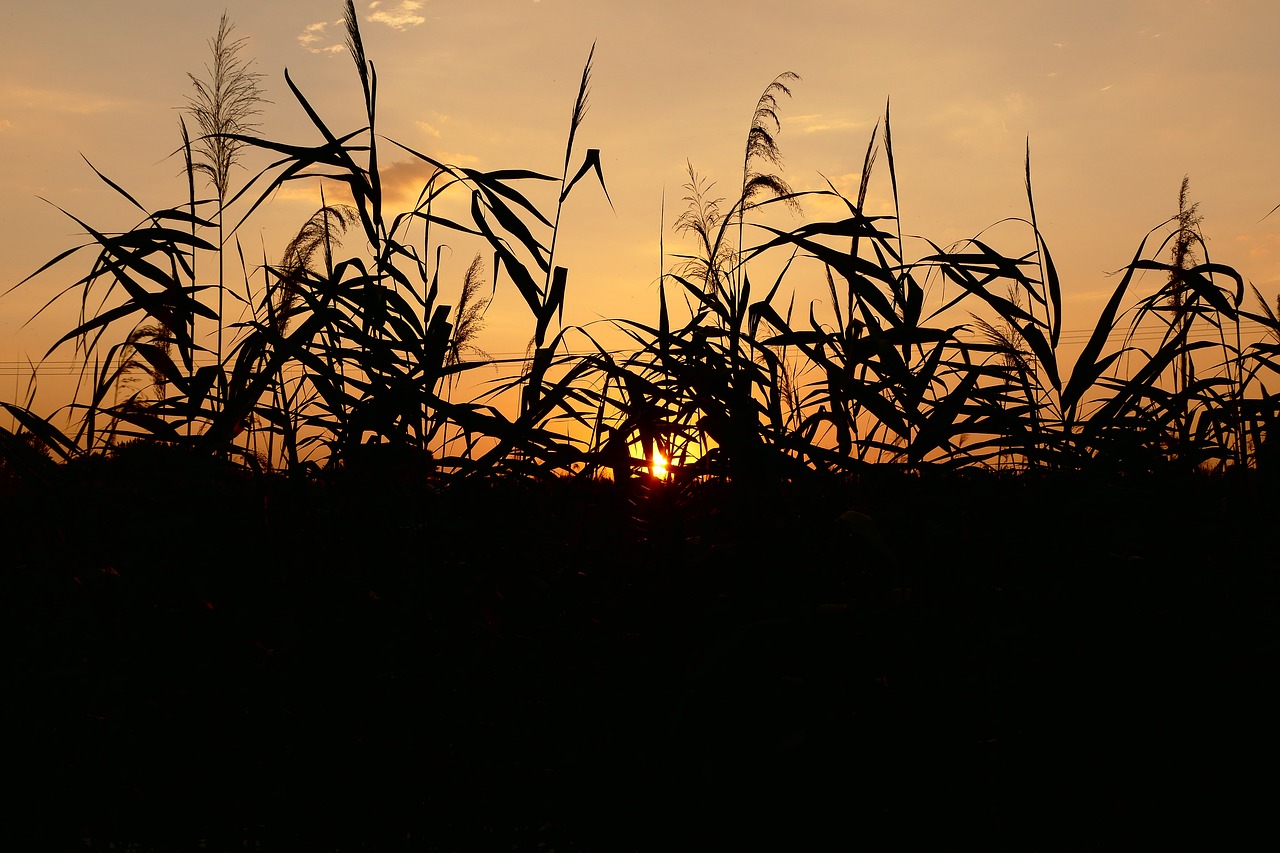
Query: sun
point(659, 467)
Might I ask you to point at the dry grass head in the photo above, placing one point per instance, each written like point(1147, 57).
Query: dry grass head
point(762, 147)
point(227, 101)
point(319, 234)
point(469, 315)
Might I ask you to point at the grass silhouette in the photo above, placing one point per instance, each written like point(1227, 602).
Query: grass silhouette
point(343, 348)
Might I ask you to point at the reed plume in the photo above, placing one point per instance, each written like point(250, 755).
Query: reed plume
point(321, 232)
point(225, 104)
point(469, 315)
point(703, 219)
point(762, 148)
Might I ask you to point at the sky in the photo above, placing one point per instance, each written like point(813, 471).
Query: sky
point(1118, 99)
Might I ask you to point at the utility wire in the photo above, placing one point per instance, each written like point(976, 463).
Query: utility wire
point(1249, 331)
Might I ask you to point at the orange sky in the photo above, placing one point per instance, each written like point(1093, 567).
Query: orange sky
point(1120, 99)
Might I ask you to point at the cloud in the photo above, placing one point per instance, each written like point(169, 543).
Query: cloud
point(432, 128)
point(60, 100)
point(317, 37)
point(334, 192)
point(1261, 246)
point(819, 123)
point(313, 33)
point(402, 183)
point(460, 159)
point(404, 180)
point(313, 38)
point(5, 125)
point(848, 184)
point(400, 16)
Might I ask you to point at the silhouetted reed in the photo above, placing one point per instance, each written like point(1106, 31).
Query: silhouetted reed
point(951, 357)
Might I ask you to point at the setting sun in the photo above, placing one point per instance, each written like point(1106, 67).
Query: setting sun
point(659, 467)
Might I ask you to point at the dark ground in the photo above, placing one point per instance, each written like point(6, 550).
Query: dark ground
point(964, 660)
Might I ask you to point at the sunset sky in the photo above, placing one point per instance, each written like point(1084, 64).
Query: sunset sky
point(1119, 98)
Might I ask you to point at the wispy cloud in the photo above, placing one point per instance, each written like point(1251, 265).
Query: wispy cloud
point(313, 33)
point(398, 16)
point(313, 38)
point(1260, 245)
point(315, 194)
point(460, 159)
point(819, 123)
point(1263, 251)
point(848, 184)
point(330, 37)
point(404, 180)
point(59, 100)
point(432, 128)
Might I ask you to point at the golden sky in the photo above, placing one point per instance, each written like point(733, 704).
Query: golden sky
point(1119, 98)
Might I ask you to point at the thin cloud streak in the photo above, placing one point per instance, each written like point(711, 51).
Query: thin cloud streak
point(820, 123)
point(60, 100)
point(400, 17)
point(314, 34)
point(316, 37)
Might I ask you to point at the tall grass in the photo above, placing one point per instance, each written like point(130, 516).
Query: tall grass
point(923, 355)
point(223, 105)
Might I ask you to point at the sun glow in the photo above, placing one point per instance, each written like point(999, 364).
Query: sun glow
point(659, 467)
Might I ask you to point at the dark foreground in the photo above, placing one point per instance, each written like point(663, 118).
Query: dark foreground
point(194, 660)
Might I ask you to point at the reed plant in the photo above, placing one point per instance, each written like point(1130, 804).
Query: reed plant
point(923, 355)
point(224, 105)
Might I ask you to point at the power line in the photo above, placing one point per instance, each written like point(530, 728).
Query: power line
point(1249, 330)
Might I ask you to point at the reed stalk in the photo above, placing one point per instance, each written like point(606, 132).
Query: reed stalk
point(224, 105)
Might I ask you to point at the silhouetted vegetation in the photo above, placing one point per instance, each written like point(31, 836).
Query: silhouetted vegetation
point(910, 575)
